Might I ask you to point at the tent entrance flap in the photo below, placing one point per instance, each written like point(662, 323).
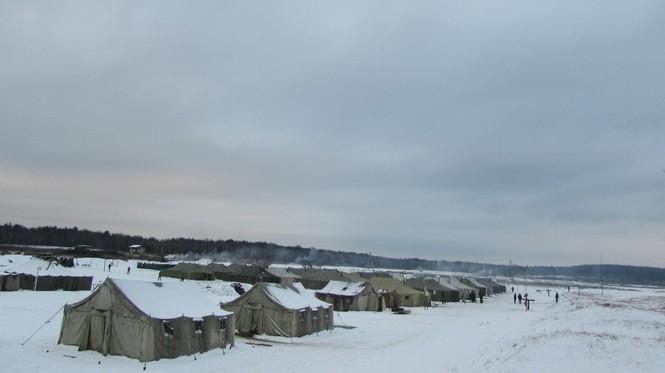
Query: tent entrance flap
point(99, 327)
point(250, 322)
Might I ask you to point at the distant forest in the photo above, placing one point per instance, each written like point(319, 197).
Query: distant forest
point(268, 252)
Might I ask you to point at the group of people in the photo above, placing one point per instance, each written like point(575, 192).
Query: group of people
point(525, 299)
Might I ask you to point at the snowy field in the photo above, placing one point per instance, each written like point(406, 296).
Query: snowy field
point(620, 331)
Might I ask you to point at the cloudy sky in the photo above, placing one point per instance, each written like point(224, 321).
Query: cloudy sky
point(461, 130)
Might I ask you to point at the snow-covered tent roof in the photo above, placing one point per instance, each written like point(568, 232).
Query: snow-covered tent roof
point(168, 300)
point(292, 297)
point(288, 297)
point(343, 288)
point(282, 273)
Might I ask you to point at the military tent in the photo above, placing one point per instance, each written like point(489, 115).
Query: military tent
point(438, 291)
point(247, 274)
point(481, 290)
point(24, 281)
point(494, 286)
point(351, 296)
point(464, 289)
point(317, 279)
point(146, 320)
point(274, 309)
point(285, 277)
point(397, 294)
point(188, 271)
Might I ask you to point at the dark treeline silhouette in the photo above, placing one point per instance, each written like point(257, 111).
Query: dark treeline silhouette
point(268, 252)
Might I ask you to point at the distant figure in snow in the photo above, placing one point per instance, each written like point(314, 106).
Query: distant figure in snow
point(512, 288)
point(159, 276)
point(128, 269)
point(481, 297)
point(556, 297)
point(109, 267)
point(519, 296)
point(472, 297)
point(526, 301)
point(514, 298)
point(569, 289)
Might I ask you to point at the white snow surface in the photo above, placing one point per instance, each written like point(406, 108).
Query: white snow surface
point(168, 300)
point(294, 297)
point(343, 288)
point(620, 331)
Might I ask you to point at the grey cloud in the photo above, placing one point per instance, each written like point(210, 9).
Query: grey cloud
point(476, 131)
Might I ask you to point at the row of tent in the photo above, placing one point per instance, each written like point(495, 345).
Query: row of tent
point(396, 293)
point(155, 320)
point(22, 281)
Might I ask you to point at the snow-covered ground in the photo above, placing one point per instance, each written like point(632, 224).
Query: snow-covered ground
point(620, 331)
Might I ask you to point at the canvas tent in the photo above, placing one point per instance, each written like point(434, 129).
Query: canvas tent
point(464, 289)
point(351, 296)
point(247, 274)
point(492, 285)
point(316, 279)
point(439, 291)
point(397, 294)
point(216, 268)
point(285, 277)
point(274, 309)
point(188, 271)
point(481, 290)
point(49, 275)
point(146, 320)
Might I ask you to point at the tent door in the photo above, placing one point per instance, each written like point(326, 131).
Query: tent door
point(98, 340)
point(256, 319)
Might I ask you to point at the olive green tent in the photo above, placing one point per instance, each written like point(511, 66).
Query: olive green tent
point(315, 278)
point(439, 291)
point(146, 320)
point(397, 294)
point(274, 309)
point(351, 296)
point(188, 271)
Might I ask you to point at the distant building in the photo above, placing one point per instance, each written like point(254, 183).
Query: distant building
point(136, 249)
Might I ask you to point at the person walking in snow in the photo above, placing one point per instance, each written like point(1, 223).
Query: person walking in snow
point(519, 296)
point(128, 269)
point(556, 297)
point(109, 267)
point(514, 298)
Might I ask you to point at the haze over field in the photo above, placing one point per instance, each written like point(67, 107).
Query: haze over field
point(438, 129)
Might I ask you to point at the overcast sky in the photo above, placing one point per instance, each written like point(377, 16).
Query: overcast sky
point(461, 130)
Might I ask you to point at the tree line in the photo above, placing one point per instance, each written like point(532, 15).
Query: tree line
point(268, 252)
